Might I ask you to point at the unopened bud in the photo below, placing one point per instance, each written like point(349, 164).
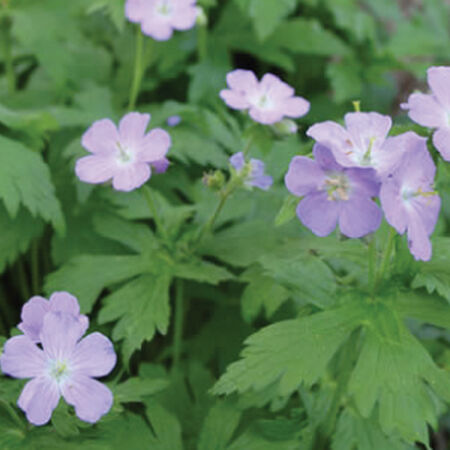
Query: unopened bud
point(202, 18)
point(285, 127)
point(214, 180)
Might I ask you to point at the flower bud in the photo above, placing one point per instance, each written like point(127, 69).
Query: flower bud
point(202, 18)
point(214, 180)
point(285, 127)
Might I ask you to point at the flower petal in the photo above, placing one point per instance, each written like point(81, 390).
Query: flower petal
point(134, 10)
point(364, 181)
point(154, 146)
point(243, 81)
point(304, 176)
point(101, 138)
point(184, 17)
point(132, 128)
point(426, 110)
point(33, 312)
point(157, 29)
point(234, 99)
point(90, 398)
point(418, 240)
point(21, 358)
point(295, 107)
point(161, 165)
point(131, 176)
point(38, 399)
point(441, 140)
point(94, 356)
point(237, 161)
point(95, 168)
point(64, 302)
point(318, 213)
point(392, 204)
point(359, 216)
point(263, 182)
point(275, 88)
point(266, 116)
point(60, 333)
point(439, 81)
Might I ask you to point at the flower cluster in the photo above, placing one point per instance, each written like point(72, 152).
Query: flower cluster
point(125, 154)
point(252, 172)
point(59, 363)
point(158, 18)
point(358, 162)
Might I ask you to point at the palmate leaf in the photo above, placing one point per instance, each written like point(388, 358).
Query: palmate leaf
point(396, 373)
point(145, 310)
point(434, 275)
point(25, 179)
point(290, 352)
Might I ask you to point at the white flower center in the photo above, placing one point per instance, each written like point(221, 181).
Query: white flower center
point(164, 8)
point(59, 370)
point(337, 186)
point(124, 155)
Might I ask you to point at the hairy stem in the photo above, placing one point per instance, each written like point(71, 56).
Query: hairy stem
point(178, 324)
point(386, 258)
point(138, 69)
point(372, 262)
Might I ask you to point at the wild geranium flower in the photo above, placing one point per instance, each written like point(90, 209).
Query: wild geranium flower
point(124, 155)
point(268, 100)
point(37, 307)
point(158, 18)
point(253, 171)
point(364, 141)
point(334, 194)
point(64, 366)
point(433, 110)
point(409, 202)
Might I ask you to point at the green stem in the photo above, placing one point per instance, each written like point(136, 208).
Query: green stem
point(202, 49)
point(151, 205)
point(138, 69)
point(372, 262)
point(5, 36)
point(247, 146)
point(35, 281)
point(178, 324)
point(386, 258)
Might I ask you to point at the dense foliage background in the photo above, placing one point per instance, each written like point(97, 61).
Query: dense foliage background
point(66, 64)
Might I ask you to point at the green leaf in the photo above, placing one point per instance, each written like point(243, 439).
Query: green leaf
point(357, 433)
point(345, 78)
point(135, 389)
point(139, 319)
point(434, 275)
point(262, 292)
point(308, 36)
point(305, 274)
point(395, 372)
point(25, 179)
point(16, 235)
point(290, 352)
point(219, 426)
point(166, 427)
point(201, 271)
point(87, 275)
point(65, 424)
point(267, 14)
point(287, 211)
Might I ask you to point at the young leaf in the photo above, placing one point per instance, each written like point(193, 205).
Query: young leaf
point(135, 389)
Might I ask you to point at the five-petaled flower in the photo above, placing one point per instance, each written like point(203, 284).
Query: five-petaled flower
point(124, 155)
point(409, 201)
point(334, 194)
point(158, 18)
point(65, 365)
point(268, 100)
point(363, 142)
point(433, 110)
point(253, 171)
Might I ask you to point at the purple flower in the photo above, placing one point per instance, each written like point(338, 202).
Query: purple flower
point(408, 199)
point(434, 110)
point(158, 18)
point(64, 366)
point(334, 194)
point(173, 121)
point(364, 141)
point(37, 307)
point(268, 100)
point(253, 172)
point(124, 154)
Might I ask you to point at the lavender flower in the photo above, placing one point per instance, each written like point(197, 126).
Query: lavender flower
point(173, 121)
point(158, 18)
point(409, 202)
point(268, 100)
point(37, 307)
point(434, 110)
point(64, 366)
point(334, 194)
point(364, 141)
point(124, 154)
point(253, 172)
